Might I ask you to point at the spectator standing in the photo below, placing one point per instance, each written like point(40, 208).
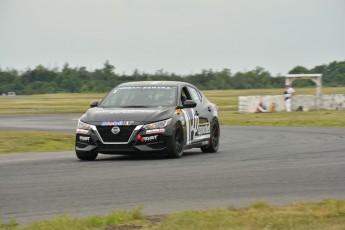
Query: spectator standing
point(288, 94)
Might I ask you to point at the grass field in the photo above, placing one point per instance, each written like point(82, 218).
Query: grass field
point(26, 141)
point(335, 119)
point(226, 100)
point(47, 103)
point(327, 214)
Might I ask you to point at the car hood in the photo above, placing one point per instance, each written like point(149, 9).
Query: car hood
point(134, 115)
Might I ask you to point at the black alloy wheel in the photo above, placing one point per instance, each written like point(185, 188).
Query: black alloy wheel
point(177, 142)
point(214, 140)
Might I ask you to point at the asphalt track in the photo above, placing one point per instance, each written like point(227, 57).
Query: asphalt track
point(276, 164)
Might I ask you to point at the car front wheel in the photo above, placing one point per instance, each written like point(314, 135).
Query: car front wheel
point(177, 142)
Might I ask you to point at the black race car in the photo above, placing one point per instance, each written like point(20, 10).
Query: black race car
point(149, 116)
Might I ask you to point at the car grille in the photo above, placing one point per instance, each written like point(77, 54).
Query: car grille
point(122, 136)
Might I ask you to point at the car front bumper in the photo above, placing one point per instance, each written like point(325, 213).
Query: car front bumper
point(101, 140)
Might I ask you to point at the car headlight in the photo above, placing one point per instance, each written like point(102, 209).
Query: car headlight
point(158, 125)
point(83, 125)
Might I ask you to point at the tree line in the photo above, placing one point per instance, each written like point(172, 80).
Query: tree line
point(41, 80)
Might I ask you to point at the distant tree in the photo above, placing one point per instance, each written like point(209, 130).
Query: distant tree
point(69, 80)
point(299, 70)
point(319, 69)
point(106, 73)
point(79, 79)
point(221, 80)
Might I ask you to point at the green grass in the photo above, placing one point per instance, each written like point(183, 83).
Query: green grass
point(65, 222)
point(293, 119)
point(26, 141)
point(327, 214)
point(227, 100)
point(48, 103)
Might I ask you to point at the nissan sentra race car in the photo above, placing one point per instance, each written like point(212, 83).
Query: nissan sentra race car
point(165, 117)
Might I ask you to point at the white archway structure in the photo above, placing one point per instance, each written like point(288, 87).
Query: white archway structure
point(316, 78)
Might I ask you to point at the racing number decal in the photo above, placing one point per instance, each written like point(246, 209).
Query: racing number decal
point(195, 130)
point(186, 118)
point(194, 125)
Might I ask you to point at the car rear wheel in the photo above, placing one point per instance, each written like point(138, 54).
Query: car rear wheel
point(214, 140)
point(177, 142)
point(86, 156)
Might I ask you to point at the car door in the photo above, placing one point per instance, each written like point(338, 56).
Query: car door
point(203, 113)
point(198, 118)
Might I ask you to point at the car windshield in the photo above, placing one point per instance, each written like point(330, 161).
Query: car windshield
point(137, 96)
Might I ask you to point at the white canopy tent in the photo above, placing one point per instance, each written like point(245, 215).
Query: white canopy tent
point(316, 78)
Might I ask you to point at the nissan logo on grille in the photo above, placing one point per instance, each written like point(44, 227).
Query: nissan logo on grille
point(115, 130)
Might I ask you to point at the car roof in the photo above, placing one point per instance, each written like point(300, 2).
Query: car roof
point(154, 83)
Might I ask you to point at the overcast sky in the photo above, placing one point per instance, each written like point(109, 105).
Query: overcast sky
point(179, 36)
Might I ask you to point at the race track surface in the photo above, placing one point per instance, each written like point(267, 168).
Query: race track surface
point(276, 164)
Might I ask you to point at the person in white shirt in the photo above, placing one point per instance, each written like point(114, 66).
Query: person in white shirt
point(288, 94)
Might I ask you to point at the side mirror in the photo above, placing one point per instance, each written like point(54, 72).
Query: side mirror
point(93, 104)
point(189, 104)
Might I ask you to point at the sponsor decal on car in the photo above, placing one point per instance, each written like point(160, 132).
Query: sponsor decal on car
point(146, 87)
point(204, 128)
point(83, 138)
point(82, 131)
point(152, 131)
point(134, 111)
point(116, 123)
point(148, 138)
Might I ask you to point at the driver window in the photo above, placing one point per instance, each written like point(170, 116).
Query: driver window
point(185, 95)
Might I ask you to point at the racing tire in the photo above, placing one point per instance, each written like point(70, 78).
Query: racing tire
point(86, 156)
point(214, 140)
point(177, 142)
